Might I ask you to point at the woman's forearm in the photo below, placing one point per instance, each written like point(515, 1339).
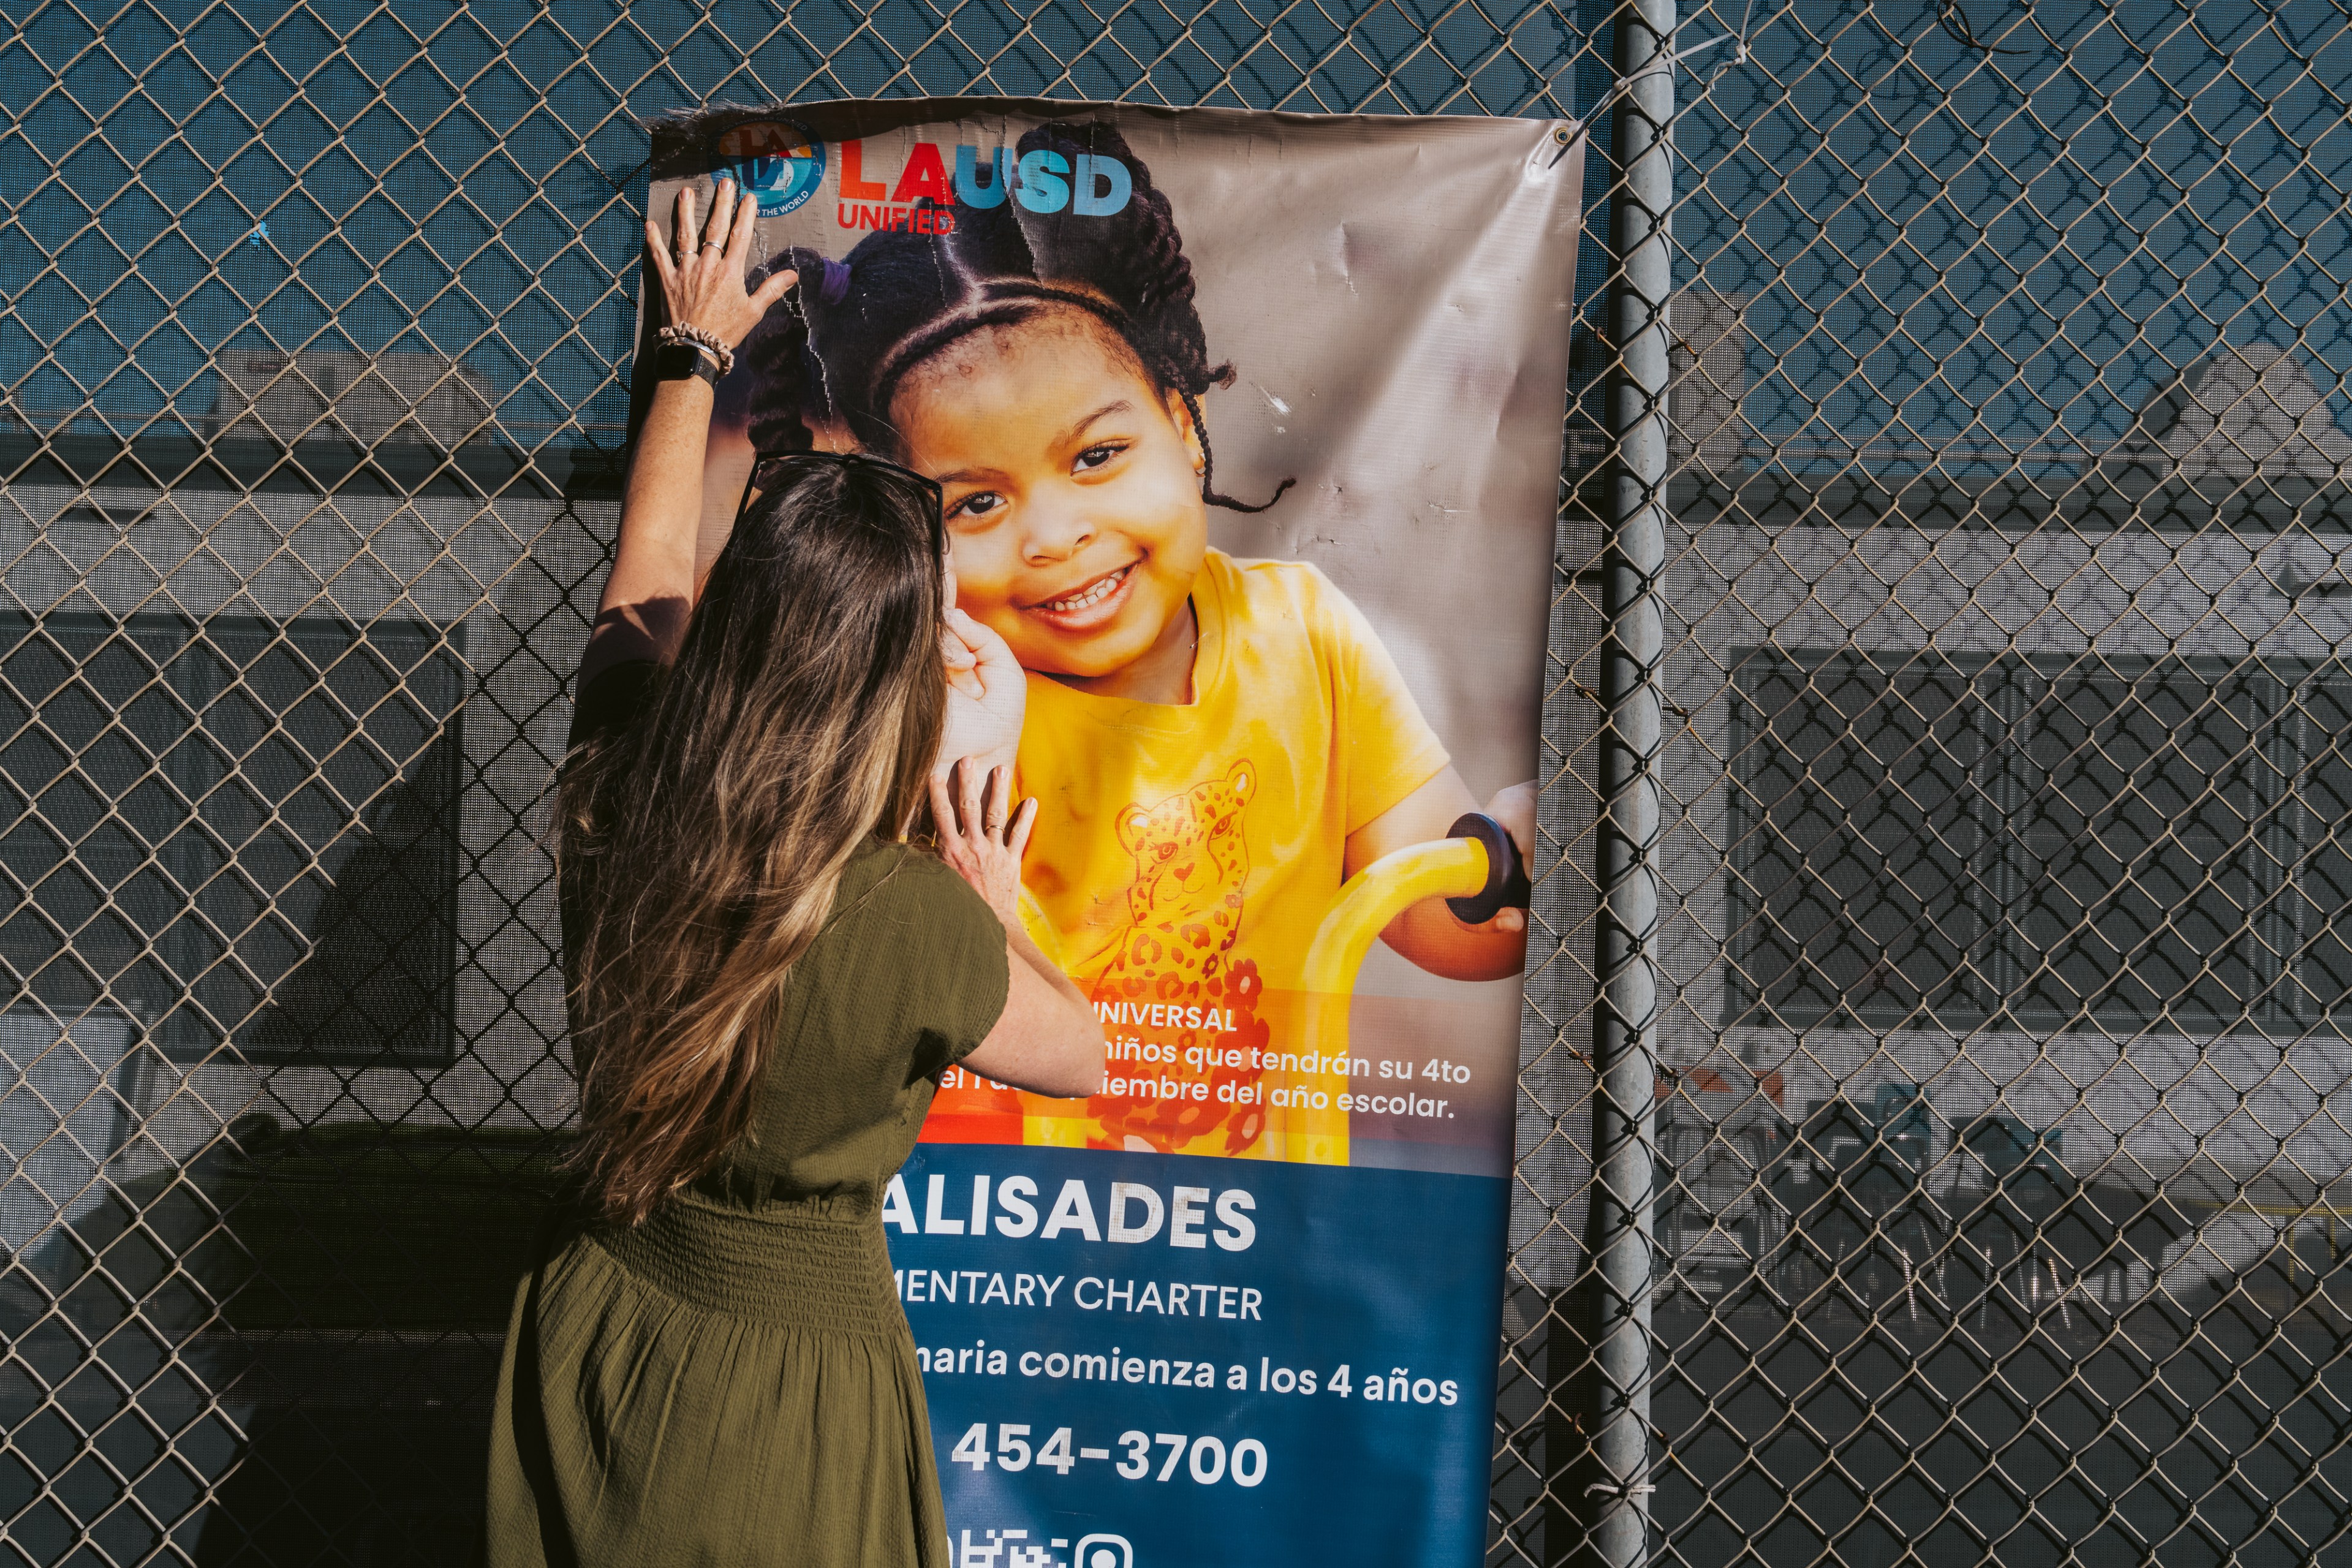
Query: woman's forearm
point(651, 591)
point(661, 510)
point(647, 598)
point(1034, 956)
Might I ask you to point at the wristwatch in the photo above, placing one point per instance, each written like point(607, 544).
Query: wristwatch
point(676, 361)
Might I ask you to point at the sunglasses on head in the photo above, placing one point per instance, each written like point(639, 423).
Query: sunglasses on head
point(779, 469)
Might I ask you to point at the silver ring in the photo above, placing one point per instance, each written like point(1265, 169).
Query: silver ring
point(714, 244)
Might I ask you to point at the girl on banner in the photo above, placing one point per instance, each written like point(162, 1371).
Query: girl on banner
point(1216, 745)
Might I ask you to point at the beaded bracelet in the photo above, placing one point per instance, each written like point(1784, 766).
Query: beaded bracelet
point(720, 354)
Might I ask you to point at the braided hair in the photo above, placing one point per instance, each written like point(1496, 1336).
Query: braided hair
point(852, 332)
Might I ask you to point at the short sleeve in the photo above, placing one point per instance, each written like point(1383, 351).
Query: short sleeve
point(953, 973)
point(1391, 749)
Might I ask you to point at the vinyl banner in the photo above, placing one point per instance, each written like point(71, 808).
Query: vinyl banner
point(1249, 426)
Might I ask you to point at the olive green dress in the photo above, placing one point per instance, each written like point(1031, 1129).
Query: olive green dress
point(732, 1382)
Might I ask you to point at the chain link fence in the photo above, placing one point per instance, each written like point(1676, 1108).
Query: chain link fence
point(1978, 368)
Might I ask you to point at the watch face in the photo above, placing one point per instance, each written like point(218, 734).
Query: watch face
point(677, 360)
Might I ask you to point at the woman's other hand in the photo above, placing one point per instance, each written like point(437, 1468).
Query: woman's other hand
point(981, 833)
point(988, 697)
point(1047, 1040)
point(702, 273)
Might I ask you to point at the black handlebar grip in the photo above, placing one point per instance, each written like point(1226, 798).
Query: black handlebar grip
point(1507, 874)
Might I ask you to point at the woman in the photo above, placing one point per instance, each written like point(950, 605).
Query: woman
point(766, 982)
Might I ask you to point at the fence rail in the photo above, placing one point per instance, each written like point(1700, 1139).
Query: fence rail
point(1948, 810)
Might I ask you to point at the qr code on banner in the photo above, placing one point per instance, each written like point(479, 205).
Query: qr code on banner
point(1014, 1549)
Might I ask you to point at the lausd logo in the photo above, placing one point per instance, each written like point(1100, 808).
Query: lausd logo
point(775, 160)
point(1012, 1549)
point(1041, 180)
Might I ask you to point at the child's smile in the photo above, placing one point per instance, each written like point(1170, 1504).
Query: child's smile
point(1073, 493)
point(1095, 605)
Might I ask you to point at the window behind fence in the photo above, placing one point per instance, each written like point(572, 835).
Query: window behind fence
point(234, 830)
point(2045, 843)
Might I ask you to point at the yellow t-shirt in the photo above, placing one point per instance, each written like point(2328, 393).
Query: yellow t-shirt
point(1184, 855)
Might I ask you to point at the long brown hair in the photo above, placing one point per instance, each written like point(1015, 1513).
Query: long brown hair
point(703, 846)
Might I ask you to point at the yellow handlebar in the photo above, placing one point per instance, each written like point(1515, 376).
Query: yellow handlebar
point(1315, 1134)
point(1446, 868)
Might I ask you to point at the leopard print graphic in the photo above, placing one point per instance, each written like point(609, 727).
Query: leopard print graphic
point(1184, 910)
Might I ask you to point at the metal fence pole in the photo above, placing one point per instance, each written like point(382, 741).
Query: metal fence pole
point(1625, 1026)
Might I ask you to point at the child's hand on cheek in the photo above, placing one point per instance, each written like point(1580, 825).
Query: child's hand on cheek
point(988, 695)
point(963, 664)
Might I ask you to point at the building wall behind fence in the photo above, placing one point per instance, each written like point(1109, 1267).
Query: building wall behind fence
point(2004, 844)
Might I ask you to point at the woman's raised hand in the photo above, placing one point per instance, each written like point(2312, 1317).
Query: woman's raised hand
point(981, 833)
point(702, 271)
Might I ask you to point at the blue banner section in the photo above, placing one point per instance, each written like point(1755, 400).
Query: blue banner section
point(1152, 1361)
